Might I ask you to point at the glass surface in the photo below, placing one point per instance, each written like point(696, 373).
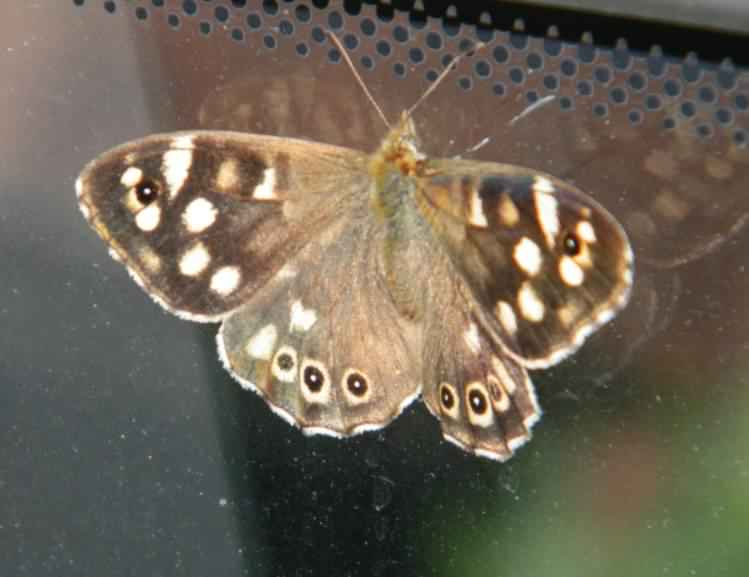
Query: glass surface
point(128, 450)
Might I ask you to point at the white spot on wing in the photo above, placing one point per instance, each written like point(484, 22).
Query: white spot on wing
point(570, 272)
point(176, 164)
point(194, 260)
point(199, 215)
point(148, 218)
point(472, 339)
point(225, 280)
point(302, 319)
point(527, 256)
point(266, 190)
point(547, 211)
point(507, 317)
point(262, 343)
point(78, 187)
point(529, 304)
point(132, 176)
point(476, 216)
point(586, 232)
point(227, 177)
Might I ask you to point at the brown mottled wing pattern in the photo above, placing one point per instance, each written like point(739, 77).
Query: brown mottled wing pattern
point(201, 242)
point(483, 398)
point(546, 265)
point(274, 237)
point(349, 283)
point(517, 269)
point(325, 344)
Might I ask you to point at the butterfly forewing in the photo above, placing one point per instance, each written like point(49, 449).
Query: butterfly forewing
point(203, 219)
point(546, 264)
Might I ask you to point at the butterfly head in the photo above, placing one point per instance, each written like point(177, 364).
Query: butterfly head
point(400, 151)
point(404, 135)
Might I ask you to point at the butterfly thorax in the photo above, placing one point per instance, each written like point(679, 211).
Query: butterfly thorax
point(398, 159)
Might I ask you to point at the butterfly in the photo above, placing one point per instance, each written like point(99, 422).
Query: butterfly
point(348, 284)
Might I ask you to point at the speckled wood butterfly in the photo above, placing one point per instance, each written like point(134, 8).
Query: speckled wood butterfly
point(348, 284)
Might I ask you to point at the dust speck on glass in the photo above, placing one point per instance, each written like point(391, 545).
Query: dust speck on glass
point(347, 283)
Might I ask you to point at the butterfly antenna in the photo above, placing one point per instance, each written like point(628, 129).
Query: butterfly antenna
point(347, 58)
point(453, 63)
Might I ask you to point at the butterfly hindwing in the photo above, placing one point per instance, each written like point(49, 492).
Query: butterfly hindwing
point(203, 219)
point(484, 399)
point(323, 343)
point(546, 264)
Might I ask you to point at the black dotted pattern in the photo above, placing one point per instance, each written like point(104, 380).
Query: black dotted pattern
point(147, 191)
point(285, 362)
point(478, 402)
point(447, 398)
point(583, 77)
point(313, 378)
point(571, 245)
point(357, 385)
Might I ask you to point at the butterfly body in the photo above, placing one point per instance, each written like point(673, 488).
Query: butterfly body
point(349, 283)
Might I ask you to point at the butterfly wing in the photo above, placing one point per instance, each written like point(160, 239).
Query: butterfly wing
point(203, 219)
point(545, 264)
point(483, 398)
point(335, 306)
point(324, 344)
point(274, 237)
